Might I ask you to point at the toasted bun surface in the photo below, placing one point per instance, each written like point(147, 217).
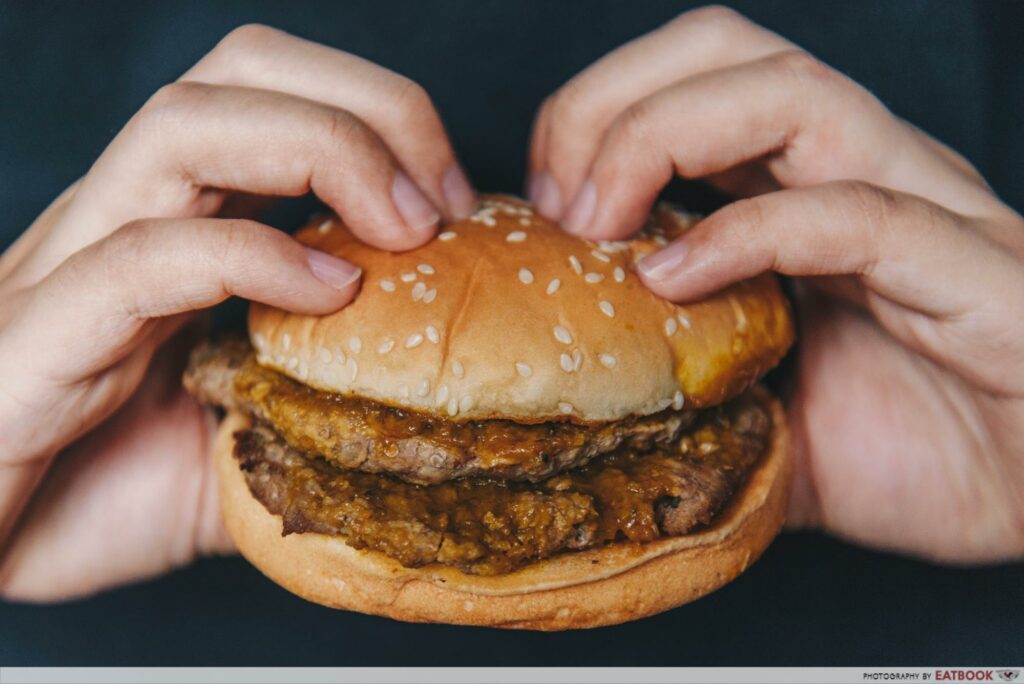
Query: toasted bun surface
point(505, 315)
point(600, 586)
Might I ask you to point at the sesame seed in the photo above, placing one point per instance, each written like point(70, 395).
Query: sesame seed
point(442, 394)
point(466, 403)
point(414, 341)
point(565, 407)
point(286, 342)
point(664, 403)
point(259, 341)
point(553, 286)
point(576, 265)
point(403, 391)
point(387, 285)
point(671, 326)
point(612, 247)
point(619, 274)
point(661, 240)
point(353, 369)
point(430, 295)
point(293, 363)
point(453, 406)
point(606, 308)
point(684, 320)
point(303, 370)
point(432, 334)
point(425, 269)
point(593, 277)
point(325, 355)
point(601, 256)
point(607, 360)
point(418, 290)
point(524, 221)
point(386, 346)
point(565, 361)
point(339, 355)
point(526, 276)
point(562, 334)
point(423, 389)
point(523, 369)
point(325, 226)
point(458, 369)
point(741, 317)
point(577, 359)
point(490, 223)
point(515, 236)
point(677, 400)
point(447, 235)
point(355, 345)
point(408, 277)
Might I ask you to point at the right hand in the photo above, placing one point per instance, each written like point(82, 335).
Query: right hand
point(908, 412)
point(95, 489)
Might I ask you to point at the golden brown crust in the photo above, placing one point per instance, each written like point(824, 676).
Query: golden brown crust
point(602, 586)
point(474, 335)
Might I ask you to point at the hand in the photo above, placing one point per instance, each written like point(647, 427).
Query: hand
point(95, 489)
point(908, 413)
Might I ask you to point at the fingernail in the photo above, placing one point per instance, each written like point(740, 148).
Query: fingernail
point(581, 211)
point(336, 272)
point(416, 210)
point(548, 198)
point(664, 262)
point(458, 193)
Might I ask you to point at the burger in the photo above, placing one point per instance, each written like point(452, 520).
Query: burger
point(504, 428)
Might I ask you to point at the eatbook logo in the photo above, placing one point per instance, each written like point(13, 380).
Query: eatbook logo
point(1008, 675)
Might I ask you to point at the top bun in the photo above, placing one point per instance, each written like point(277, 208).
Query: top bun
point(506, 316)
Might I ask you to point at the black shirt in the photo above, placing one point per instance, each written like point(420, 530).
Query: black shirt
point(71, 74)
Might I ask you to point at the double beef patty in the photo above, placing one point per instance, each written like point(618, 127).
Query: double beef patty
point(481, 525)
point(366, 435)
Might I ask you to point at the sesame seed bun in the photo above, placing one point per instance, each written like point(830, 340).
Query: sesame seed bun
point(601, 586)
point(504, 315)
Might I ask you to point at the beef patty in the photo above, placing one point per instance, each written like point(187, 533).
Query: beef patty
point(372, 437)
point(485, 526)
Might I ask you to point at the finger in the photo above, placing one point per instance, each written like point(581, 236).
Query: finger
point(158, 268)
point(397, 108)
point(192, 141)
point(931, 278)
point(810, 123)
point(570, 126)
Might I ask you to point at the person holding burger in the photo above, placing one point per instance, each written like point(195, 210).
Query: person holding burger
point(907, 272)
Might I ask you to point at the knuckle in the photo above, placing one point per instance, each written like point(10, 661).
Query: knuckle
point(240, 240)
point(872, 201)
point(713, 18)
point(872, 209)
point(743, 217)
point(633, 126)
point(244, 39)
point(411, 98)
point(805, 67)
point(345, 130)
point(174, 95)
point(169, 105)
point(566, 109)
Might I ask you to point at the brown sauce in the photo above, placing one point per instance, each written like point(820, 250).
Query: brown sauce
point(326, 423)
point(490, 527)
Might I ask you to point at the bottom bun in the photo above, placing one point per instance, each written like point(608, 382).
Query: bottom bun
point(601, 586)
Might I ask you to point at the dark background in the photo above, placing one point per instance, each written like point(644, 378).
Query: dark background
point(72, 73)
